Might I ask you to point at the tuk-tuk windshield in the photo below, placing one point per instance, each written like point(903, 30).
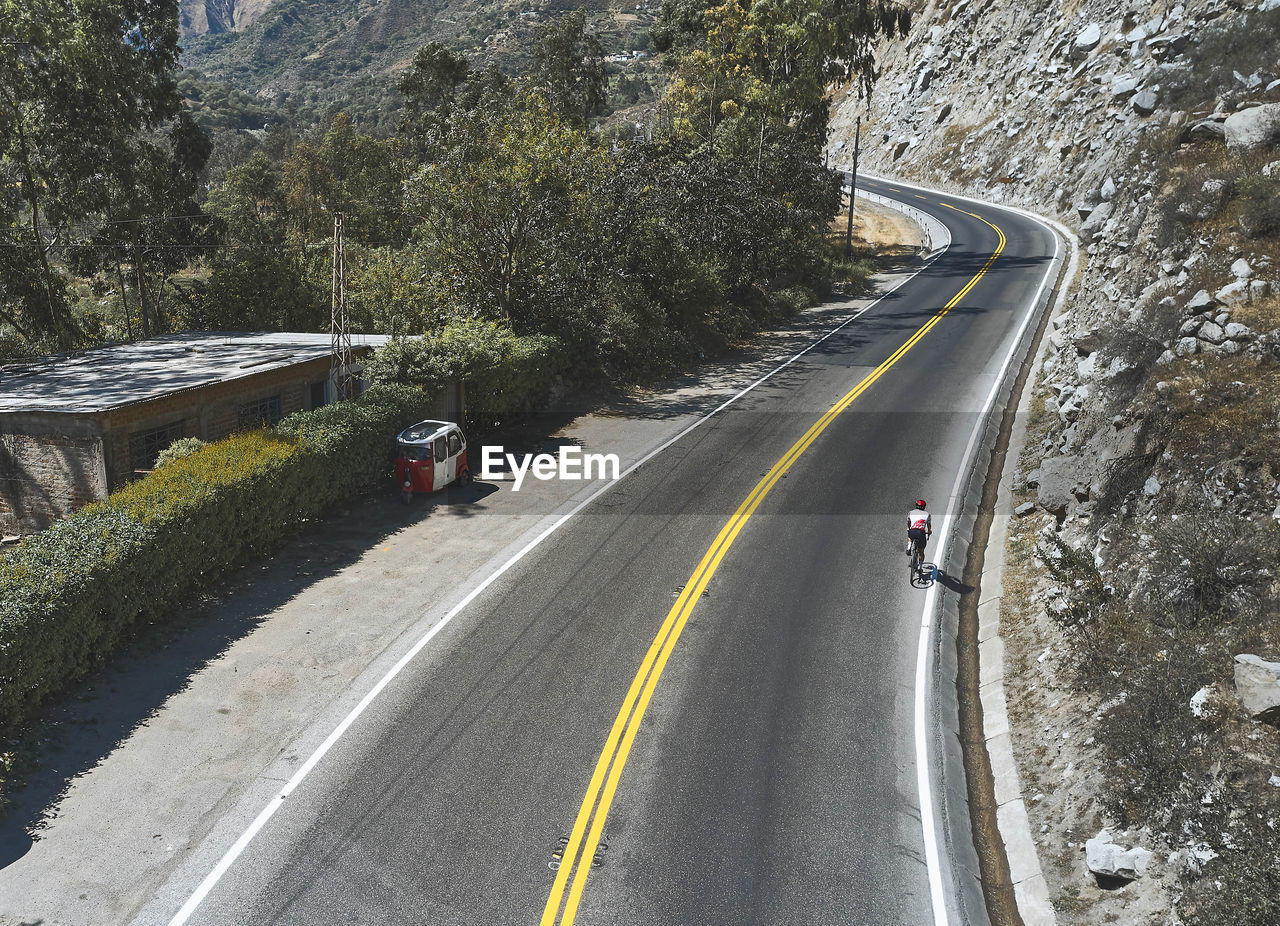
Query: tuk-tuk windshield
point(415, 452)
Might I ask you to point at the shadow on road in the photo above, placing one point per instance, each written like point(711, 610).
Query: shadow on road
point(74, 733)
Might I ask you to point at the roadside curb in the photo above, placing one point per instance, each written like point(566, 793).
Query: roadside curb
point(1030, 889)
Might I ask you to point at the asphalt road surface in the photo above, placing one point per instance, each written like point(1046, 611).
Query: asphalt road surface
point(732, 627)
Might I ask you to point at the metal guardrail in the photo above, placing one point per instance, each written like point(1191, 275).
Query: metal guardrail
point(928, 224)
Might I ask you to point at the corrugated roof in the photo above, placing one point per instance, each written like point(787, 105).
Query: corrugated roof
point(104, 378)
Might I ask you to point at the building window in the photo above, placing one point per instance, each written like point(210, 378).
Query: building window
point(261, 413)
point(145, 446)
point(317, 393)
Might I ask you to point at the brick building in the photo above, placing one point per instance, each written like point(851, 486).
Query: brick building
point(73, 428)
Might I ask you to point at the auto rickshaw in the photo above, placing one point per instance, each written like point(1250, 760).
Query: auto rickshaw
point(432, 454)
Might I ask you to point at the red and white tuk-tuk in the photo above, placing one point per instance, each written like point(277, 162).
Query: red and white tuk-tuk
point(432, 455)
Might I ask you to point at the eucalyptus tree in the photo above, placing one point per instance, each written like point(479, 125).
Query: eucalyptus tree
point(79, 79)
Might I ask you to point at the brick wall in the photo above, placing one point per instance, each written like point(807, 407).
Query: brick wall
point(209, 413)
point(44, 478)
point(52, 463)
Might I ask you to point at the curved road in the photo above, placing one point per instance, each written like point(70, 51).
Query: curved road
point(769, 773)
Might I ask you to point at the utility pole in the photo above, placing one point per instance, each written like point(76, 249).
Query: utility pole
point(339, 336)
point(853, 187)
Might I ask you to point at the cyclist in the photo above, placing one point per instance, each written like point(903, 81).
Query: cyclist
point(919, 529)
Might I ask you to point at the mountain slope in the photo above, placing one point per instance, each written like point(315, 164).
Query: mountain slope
point(1144, 589)
point(309, 57)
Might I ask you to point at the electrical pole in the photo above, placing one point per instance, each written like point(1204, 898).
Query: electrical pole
point(853, 187)
point(339, 336)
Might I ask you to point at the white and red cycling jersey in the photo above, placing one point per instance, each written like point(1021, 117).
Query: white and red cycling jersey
point(918, 519)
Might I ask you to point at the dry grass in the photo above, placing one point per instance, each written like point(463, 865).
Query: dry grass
point(1262, 315)
point(1224, 406)
point(878, 231)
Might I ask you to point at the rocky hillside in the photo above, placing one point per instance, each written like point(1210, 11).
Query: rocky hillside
point(200, 17)
point(1144, 695)
point(310, 58)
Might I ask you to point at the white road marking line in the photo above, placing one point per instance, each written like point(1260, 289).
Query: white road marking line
point(267, 812)
point(924, 783)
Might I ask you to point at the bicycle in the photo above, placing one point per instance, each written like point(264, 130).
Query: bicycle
point(915, 559)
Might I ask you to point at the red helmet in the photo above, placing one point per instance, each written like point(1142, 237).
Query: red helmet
point(919, 502)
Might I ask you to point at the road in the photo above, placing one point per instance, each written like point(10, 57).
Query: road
point(695, 703)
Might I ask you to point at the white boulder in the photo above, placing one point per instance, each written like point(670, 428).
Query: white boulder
point(1236, 293)
point(1086, 41)
point(1253, 128)
point(1258, 687)
point(1108, 860)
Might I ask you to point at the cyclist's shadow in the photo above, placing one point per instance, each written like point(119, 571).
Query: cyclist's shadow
point(931, 574)
point(925, 576)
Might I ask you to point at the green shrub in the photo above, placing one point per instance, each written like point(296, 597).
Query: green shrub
point(69, 594)
point(505, 374)
point(178, 449)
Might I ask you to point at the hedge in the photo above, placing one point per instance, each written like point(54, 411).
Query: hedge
point(506, 374)
point(71, 593)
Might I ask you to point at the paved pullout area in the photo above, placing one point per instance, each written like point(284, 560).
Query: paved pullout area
point(198, 722)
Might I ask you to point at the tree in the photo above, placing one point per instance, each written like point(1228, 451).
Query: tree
point(78, 80)
point(151, 220)
point(261, 276)
point(431, 82)
point(568, 67)
point(497, 210)
point(355, 174)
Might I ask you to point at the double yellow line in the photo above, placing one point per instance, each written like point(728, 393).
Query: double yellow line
point(584, 840)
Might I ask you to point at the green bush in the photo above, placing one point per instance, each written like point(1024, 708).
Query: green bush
point(69, 594)
point(505, 374)
point(178, 449)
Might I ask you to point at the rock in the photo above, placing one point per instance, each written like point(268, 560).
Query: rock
point(1108, 190)
point(1199, 302)
point(1191, 326)
point(1086, 41)
point(1241, 269)
point(1055, 487)
point(1200, 702)
point(1211, 332)
point(1258, 289)
point(1204, 130)
point(1229, 347)
point(1144, 103)
point(1258, 687)
point(1233, 294)
point(1198, 856)
point(1024, 509)
point(1123, 86)
point(1186, 346)
point(1151, 488)
point(943, 112)
point(1237, 332)
point(900, 149)
point(1253, 128)
point(1097, 218)
point(1108, 860)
